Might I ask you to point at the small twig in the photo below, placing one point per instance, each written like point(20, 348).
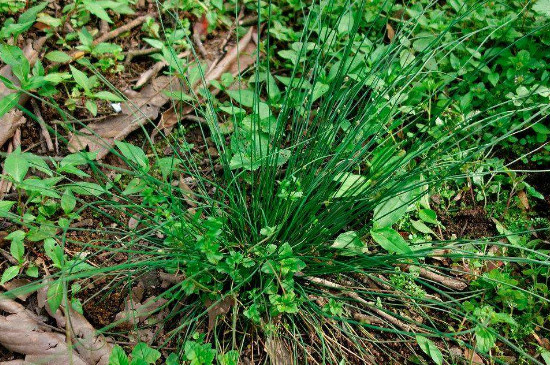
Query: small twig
point(439, 278)
point(103, 27)
point(43, 126)
point(118, 31)
point(145, 52)
point(372, 306)
point(139, 52)
point(226, 40)
point(153, 71)
point(112, 34)
point(200, 46)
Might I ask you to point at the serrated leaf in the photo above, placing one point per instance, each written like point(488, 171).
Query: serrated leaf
point(144, 352)
point(390, 240)
point(485, 339)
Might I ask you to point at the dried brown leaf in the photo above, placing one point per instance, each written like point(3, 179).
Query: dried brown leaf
point(218, 308)
point(390, 31)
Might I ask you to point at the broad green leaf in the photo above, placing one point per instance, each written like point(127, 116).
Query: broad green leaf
point(9, 274)
point(91, 106)
point(54, 252)
point(55, 295)
point(17, 247)
point(485, 339)
point(430, 349)
point(16, 166)
point(118, 356)
point(144, 352)
point(319, 90)
point(58, 56)
point(352, 185)
point(390, 211)
point(8, 102)
point(421, 227)
point(350, 243)
point(346, 23)
point(244, 97)
point(545, 354)
point(540, 128)
point(87, 188)
point(390, 240)
point(14, 57)
point(32, 271)
point(5, 206)
point(133, 154)
point(542, 7)
point(96, 9)
point(428, 216)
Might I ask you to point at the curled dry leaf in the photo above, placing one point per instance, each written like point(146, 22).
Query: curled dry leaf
point(390, 31)
point(523, 199)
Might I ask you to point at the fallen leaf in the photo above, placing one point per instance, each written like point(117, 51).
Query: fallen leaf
point(523, 199)
point(390, 31)
point(201, 26)
point(221, 307)
point(23, 332)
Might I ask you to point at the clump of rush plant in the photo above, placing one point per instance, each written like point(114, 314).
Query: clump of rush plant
point(286, 248)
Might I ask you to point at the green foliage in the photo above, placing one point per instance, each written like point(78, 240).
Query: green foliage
point(319, 187)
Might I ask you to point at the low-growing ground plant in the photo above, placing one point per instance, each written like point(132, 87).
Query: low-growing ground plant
point(291, 235)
